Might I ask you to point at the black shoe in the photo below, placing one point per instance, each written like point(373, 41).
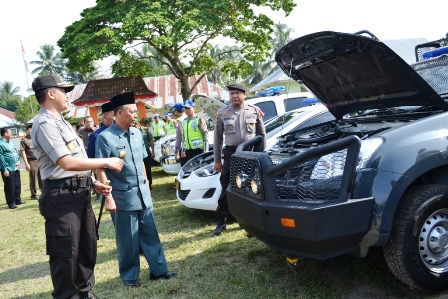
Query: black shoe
point(221, 226)
point(87, 295)
point(34, 198)
point(12, 206)
point(131, 283)
point(166, 275)
point(21, 202)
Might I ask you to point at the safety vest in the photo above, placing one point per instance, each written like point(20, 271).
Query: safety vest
point(192, 134)
point(158, 129)
point(170, 127)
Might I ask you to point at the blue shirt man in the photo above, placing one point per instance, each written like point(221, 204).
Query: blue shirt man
point(107, 111)
point(135, 228)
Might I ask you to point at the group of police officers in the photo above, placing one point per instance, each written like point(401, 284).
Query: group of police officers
point(116, 155)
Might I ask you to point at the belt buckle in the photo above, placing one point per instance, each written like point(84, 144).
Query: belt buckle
point(82, 182)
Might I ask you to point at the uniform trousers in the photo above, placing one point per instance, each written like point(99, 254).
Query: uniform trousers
point(136, 231)
point(13, 187)
point(34, 174)
point(223, 207)
point(191, 153)
point(71, 239)
point(147, 162)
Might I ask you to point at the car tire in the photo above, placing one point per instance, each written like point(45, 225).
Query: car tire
point(417, 250)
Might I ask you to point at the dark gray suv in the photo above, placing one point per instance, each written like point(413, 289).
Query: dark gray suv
point(375, 176)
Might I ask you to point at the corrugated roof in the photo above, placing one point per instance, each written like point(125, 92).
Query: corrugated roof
point(7, 113)
point(98, 92)
point(167, 89)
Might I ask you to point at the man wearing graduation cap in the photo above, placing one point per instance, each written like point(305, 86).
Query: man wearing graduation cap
point(135, 228)
point(107, 112)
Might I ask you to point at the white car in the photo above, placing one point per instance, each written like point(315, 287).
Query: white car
point(271, 105)
point(198, 185)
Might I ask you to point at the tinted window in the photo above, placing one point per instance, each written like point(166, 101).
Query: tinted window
point(294, 103)
point(268, 108)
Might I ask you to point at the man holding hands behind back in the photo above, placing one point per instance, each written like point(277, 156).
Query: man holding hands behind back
point(65, 202)
point(135, 228)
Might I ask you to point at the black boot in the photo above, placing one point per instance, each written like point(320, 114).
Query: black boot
point(221, 226)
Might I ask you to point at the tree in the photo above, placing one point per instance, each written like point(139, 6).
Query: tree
point(180, 32)
point(49, 63)
point(153, 59)
point(24, 112)
point(9, 98)
point(130, 65)
point(82, 77)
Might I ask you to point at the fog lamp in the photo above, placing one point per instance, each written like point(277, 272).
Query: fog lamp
point(255, 186)
point(239, 181)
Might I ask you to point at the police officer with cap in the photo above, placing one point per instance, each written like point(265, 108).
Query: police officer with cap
point(170, 124)
point(194, 133)
point(65, 202)
point(179, 110)
point(135, 228)
point(239, 122)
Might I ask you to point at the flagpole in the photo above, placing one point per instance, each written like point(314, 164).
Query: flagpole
point(26, 75)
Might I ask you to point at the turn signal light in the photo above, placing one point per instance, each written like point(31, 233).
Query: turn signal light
point(288, 222)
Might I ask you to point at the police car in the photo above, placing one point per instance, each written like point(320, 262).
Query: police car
point(198, 185)
point(271, 101)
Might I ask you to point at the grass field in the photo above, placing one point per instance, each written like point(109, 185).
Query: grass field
point(228, 266)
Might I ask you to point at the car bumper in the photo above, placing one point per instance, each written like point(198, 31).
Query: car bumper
point(170, 165)
point(321, 232)
point(199, 192)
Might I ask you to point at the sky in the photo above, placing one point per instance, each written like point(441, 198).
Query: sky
point(35, 23)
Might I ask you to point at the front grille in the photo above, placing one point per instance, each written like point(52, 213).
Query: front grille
point(248, 170)
point(313, 181)
point(435, 72)
point(183, 194)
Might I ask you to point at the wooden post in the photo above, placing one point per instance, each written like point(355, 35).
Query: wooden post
point(141, 110)
point(94, 114)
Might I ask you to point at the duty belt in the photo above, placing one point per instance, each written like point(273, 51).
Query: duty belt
point(72, 183)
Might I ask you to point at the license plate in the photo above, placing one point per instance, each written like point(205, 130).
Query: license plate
point(176, 184)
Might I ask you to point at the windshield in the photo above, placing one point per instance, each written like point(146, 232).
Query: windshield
point(281, 120)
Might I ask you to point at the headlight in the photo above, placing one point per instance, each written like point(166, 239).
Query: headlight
point(206, 171)
point(332, 165)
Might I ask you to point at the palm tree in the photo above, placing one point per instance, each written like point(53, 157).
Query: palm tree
point(49, 63)
point(280, 37)
point(9, 97)
point(8, 89)
point(156, 61)
point(81, 77)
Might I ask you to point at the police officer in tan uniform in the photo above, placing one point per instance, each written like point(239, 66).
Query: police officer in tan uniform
point(239, 122)
point(30, 161)
point(65, 201)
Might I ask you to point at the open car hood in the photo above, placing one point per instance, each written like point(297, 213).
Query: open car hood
point(352, 72)
point(206, 105)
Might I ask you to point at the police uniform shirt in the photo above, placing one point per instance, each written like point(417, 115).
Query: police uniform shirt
point(53, 138)
point(129, 187)
point(179, 134)
point(238, 126)
point(26, 145)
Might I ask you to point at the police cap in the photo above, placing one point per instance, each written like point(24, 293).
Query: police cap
point(239, 87)
point(48, 81)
